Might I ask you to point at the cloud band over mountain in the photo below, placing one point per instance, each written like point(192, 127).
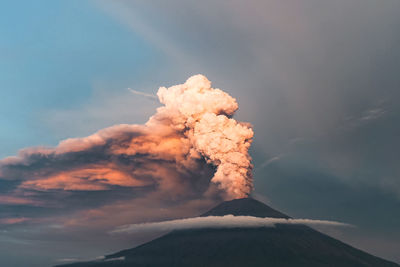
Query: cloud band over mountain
point(227, 221)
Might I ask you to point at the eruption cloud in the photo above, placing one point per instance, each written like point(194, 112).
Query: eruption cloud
point(202, 114)
point(193, 128)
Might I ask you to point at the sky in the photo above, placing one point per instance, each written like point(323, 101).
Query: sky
point(318, 81)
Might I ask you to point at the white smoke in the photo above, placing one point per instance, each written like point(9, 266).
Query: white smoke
point(227, 221)
point(203, 115)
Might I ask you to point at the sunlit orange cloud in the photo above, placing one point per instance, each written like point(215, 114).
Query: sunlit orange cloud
point(166, 145)
point(89, 179)
point(11, 200)
point(13, 220)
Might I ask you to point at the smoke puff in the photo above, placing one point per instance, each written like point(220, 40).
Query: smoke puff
point(202, 114)
point(193, 127)
point(227, 221)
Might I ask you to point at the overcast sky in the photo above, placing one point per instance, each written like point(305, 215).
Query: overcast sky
point(317, 79)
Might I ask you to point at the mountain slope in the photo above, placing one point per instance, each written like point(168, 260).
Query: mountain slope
point(283, 245)
point(244, 207)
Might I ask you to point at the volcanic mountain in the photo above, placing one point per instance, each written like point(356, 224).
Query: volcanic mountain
point(283, 245)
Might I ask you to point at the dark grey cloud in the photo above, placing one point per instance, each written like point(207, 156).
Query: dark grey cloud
point(301, 189)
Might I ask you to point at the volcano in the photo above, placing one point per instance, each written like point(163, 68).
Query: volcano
point(283, 245)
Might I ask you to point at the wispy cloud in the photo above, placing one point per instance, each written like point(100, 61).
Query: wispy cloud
point(271, 160)
point(373, 113)
point(67, 260)
point(13, 200)
point(227, 221)
point(97, 259)
point(13, 220)
point(151, 96)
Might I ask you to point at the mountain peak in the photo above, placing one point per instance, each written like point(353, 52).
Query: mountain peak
point(245, 207)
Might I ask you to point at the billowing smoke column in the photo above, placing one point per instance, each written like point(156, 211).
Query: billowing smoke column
point(167, 153)
point(203, 115)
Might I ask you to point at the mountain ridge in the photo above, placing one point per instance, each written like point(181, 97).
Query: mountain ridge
point(280, 246)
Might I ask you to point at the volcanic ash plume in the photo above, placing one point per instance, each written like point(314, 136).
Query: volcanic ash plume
point(169, 153)
point(203, 115)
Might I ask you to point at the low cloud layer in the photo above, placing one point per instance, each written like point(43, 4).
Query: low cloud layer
point(227, 221)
